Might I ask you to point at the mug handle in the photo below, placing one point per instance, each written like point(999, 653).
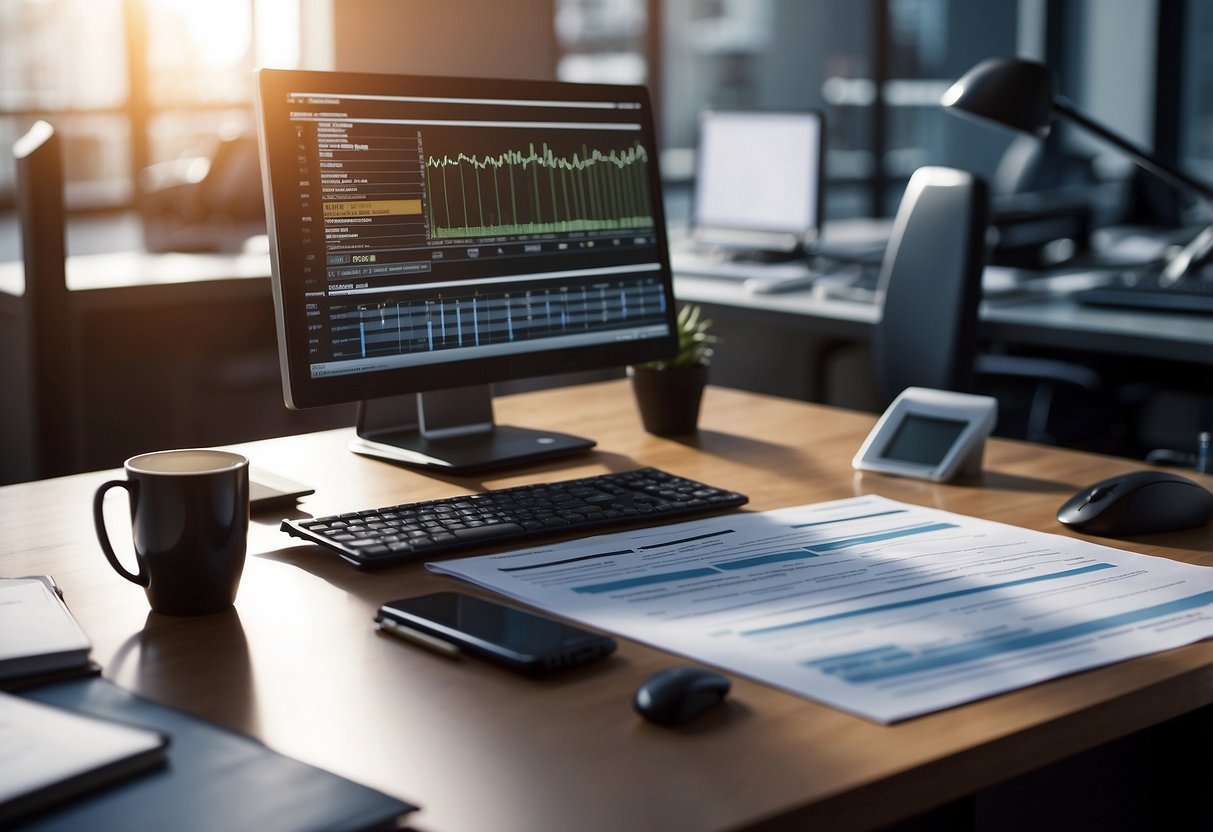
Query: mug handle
point(103, 536)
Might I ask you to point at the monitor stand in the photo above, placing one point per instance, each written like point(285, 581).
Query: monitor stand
point(453, 431)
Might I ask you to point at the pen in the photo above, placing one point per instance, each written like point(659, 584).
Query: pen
point(419, 638)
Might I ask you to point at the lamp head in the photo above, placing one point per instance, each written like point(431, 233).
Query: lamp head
point(1012, 92)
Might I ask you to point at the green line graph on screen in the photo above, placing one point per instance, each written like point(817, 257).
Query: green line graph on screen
point(537, 190)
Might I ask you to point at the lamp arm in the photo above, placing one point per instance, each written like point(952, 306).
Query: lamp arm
point(1151, 163)
point(1189, 260)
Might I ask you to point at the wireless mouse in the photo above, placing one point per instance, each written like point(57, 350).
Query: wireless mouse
point(1138, 503)
point(678, 694)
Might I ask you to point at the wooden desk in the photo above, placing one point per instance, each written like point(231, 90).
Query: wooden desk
point(298, 664)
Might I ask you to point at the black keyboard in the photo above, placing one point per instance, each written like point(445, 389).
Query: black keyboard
point(1145, 292)
point(382, 536)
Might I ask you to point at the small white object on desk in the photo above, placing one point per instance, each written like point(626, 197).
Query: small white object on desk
point(929, 434)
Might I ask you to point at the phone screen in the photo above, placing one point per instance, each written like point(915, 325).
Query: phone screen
point(497, 631)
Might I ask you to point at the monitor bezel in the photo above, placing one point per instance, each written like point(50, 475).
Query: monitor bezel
point(300, 388)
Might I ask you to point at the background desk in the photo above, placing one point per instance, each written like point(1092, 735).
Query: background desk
point(762, 332)
point(1040, 318)
point(180, 349)
point(159, 351)
point(298, 664)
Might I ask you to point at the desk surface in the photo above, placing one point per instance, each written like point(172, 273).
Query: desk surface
point(298, 664)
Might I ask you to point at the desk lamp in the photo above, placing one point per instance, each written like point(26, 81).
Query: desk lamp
point(1019, 94)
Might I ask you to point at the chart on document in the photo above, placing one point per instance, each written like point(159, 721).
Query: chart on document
point(880, 608)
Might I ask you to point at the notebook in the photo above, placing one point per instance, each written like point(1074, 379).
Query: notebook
point(215, 779)
point(49, 755)
point(38, 635)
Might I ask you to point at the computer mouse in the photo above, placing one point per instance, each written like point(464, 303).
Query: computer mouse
point(678, 694)
point(1138, 503)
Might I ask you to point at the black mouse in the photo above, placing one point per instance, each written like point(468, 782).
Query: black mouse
point(1138, 503)
point(678, 694)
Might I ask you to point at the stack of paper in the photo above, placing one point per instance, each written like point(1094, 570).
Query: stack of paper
point(48, 754)
point(38, 635)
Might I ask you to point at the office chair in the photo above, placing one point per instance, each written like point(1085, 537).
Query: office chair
point(930, 282)
point(204, 204)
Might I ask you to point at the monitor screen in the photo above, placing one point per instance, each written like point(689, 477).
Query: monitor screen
point(758, 179)
point(431, 233)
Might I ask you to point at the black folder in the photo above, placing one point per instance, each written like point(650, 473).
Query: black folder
point(215, 778)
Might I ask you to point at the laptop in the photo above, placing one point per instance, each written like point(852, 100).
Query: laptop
point(757, 206)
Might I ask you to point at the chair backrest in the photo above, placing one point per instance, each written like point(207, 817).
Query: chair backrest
point(930, 281)
point(39, 421)
point(231, 188)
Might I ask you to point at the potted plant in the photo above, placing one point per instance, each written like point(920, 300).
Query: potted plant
point(668, 392)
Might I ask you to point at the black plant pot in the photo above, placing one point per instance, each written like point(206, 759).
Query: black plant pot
point(669, 399)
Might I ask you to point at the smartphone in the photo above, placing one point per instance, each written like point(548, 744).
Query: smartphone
point(513, 638)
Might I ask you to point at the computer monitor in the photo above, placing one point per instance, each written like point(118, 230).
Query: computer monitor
point(758, 180)
point(432, 236)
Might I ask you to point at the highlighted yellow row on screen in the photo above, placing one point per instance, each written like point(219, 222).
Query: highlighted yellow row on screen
point(372, 208)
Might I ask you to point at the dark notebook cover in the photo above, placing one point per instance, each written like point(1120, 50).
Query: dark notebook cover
point(215, 778)
point(54, 755)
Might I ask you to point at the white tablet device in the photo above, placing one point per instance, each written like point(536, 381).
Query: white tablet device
point(929, 434)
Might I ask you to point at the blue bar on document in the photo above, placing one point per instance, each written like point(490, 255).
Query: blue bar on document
point(832, 664)
point(763, 560)
point(847, 519)
point(877, 537)
point(646, 580)
point(931, 599)
point(988, 648)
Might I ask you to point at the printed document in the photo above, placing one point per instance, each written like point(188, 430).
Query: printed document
point(884, 609)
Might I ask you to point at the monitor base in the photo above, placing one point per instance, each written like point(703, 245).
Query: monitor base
point(504, 447)
point(466, 440)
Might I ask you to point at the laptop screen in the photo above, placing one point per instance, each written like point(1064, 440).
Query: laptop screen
point(758, 179)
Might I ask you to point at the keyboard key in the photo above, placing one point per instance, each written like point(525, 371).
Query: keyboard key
point(497, 530)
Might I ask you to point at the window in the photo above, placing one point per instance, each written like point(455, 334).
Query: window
point(876, 68)
point(130, 83)
point(602, 41)
point(83, 96)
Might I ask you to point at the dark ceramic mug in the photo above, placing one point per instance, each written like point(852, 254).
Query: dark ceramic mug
point(189, 525)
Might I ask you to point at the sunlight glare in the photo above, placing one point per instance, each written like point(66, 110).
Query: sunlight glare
point(278, 33)
point(218, 30)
